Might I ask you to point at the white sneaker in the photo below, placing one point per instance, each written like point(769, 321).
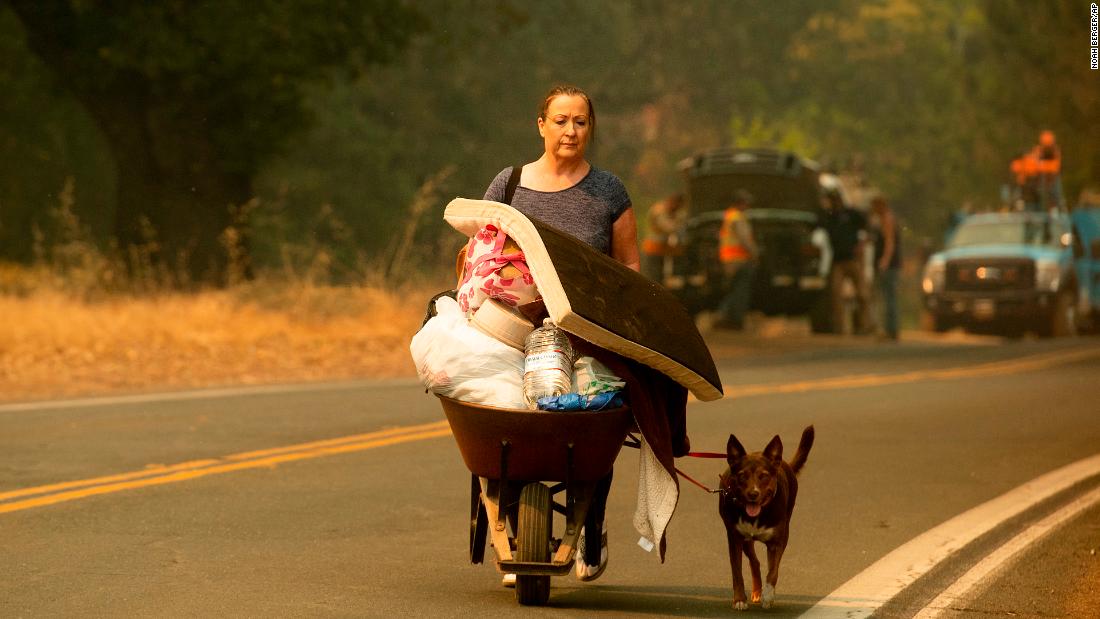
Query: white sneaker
point(508, 581)
point(585, 572)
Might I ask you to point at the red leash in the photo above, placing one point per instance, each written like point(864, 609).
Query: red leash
point(692, 480)
point(701, 454)
point(637, 444)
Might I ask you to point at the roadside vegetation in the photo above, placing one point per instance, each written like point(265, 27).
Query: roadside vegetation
point(81, 320)
point(59, 344)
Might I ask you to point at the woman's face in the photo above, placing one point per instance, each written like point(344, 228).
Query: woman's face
point(565, 129)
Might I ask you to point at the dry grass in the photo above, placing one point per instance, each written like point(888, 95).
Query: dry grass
point(55, 344)
point(86, 319)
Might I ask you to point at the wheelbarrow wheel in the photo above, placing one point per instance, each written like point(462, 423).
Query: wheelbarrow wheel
point(533, 542)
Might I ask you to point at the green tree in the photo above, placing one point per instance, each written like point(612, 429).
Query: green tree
point(45, 140)
point(1037, 56)
point(192, 98)
point(889, 82)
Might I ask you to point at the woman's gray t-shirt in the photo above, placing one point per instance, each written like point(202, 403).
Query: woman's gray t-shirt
point(586, 210)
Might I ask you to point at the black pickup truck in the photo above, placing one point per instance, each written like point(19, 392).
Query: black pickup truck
point(786, 215)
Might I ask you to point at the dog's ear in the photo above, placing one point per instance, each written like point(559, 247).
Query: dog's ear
point(774, 450)
point(734, 451)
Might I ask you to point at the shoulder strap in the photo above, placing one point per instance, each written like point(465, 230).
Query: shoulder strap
point(513, 182)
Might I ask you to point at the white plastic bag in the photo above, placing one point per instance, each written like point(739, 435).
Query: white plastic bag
point(591, 377)
point(455, 359)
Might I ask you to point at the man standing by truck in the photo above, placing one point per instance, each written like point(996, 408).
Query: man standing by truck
point(1048, 158)
point(738, 254)
point(664, 220)
point(1038, 175)
point(847, 230)
point(887, 264)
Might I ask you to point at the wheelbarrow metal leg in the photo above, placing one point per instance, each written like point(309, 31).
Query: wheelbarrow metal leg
point(490, 498)
point(581, 497)
point(505, 446)
point(570, 527)
point(479, 522)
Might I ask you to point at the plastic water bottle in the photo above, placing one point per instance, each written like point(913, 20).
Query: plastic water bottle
point(548, 366)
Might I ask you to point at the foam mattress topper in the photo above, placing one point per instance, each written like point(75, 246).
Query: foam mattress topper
point(598, 299)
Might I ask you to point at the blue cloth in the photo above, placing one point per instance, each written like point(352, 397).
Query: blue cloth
point(578, 402)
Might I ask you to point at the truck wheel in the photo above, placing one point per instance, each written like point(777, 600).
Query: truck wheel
point(533, 542)
point(930, 321)
point(1063, 318)
point(821, 320)
point(939, 324)
point(1088, 323)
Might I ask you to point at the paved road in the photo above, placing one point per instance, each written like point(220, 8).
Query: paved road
point(350, 499)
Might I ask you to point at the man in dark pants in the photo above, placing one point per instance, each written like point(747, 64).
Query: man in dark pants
point(887, 264)
point(738, 254)
point(847, 230)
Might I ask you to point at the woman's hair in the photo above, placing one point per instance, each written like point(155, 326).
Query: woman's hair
point(571, 91)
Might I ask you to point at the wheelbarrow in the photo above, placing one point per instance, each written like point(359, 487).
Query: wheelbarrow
point(510, 451)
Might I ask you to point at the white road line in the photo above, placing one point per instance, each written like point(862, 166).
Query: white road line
point(997, 559)
point(202, 394)
point(870, 589)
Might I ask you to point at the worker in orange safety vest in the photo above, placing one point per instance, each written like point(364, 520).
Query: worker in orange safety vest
point(1048, 167)
point(1024, 167)
point(737, 252)
point(664, 221)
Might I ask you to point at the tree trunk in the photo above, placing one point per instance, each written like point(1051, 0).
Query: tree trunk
point(173, 196)
point(174, 200)
point(176, 196)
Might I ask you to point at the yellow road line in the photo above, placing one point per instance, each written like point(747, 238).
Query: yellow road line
point(1014, 366)
point(435, 425)
point(157, 475)
point(155, 471)
point(228, 467)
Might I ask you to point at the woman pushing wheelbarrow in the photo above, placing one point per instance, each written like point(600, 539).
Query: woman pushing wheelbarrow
point(556, 239)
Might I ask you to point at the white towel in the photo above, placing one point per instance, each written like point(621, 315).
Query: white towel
point(658, 493)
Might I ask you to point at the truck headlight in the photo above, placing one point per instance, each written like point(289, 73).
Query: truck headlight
point(1048, 275)
point(934, 273)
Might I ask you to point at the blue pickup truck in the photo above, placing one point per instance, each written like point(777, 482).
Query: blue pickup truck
point(1017, 271)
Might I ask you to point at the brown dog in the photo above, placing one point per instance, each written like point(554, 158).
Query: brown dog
point(756, 502)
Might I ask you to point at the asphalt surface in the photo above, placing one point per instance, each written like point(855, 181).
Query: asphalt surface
point(380, 528)
point(1057, 577)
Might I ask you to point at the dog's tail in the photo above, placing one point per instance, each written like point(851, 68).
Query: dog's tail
point(803, 451)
